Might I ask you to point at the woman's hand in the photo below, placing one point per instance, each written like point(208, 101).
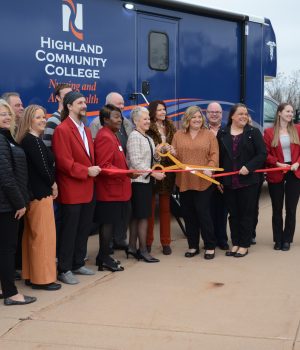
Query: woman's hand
point(208, 173)
point(20, 213)
point(244, 171)
point(54, 191)
point(295, 166)
point(282, 165)
point(158, 176)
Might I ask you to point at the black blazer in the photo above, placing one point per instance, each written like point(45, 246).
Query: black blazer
point(40, 162)
point(251, 154)
point(13, 174)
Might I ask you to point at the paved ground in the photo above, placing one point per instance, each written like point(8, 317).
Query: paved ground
point(245, 304)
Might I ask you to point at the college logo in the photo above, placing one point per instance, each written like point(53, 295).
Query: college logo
point(272, 46)
point(70, 12)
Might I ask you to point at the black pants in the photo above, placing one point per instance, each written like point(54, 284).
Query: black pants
point(19, 244)
point(241, 205)
point(288, 189)
point(196, 214)
point(75, 229)
point(8, 244)
point(219, 215)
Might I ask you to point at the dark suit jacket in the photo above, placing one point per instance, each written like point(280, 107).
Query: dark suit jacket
point(251, 154)
point(109, 154)
point(72, 161)
point(275, 154)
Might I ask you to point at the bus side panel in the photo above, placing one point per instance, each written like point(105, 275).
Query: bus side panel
point(210, 59)
point(29, 61)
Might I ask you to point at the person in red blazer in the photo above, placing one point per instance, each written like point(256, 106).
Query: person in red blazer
point(113, 191)
point(75, 172)
point(283, 148)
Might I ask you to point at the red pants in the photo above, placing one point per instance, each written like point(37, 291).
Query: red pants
point(164, 219)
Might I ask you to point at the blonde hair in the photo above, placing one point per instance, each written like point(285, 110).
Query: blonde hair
point(291, 129)
point(4, 104)
point(26, 120)
point(188, 115)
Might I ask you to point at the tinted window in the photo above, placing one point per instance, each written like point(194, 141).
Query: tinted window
point(158, 51)
point(270, 109)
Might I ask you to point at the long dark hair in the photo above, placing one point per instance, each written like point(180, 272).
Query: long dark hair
point(233, 110)
point(153, 107)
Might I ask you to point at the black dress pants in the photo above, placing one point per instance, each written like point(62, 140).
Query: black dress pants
point(219, 215)
point(197, 217)
point(288, 190)
point(241, 205)
point(75, 228)
point(8, 244)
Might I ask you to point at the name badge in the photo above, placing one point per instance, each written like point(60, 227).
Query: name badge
point(120, 149)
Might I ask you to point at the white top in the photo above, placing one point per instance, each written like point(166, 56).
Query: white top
point(82, 133)
point(286, 147)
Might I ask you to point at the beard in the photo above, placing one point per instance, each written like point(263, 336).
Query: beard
point(82, 117)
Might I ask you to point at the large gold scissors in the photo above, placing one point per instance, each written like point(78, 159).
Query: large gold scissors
point(194, 169)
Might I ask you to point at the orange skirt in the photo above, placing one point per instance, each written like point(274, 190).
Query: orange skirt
point(39, 242)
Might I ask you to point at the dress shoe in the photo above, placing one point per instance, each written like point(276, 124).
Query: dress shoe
point(285, 246)
point(277, 246)
point(192, 254)
point(67, 277)
point(110, 266)
point(49, 286)
point(145, 256)
point(223, 246)
point(27, 283)
point(27, 300)
point(167, 250)
point(83, 271)
point(240, 255)
point(209, 256)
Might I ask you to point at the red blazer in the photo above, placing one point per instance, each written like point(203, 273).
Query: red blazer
point(109, 154)
point(72, 163)
point(275, 154)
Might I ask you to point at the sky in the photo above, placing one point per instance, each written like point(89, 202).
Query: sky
point(285, 19)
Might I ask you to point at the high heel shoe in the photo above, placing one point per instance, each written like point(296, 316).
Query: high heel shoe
point(110, 266)
point(133, 254)
point(147, 257)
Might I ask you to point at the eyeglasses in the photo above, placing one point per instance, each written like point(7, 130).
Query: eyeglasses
point(214, 112)
point(5, 114)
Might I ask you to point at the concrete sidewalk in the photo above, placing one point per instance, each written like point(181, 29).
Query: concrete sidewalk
point(251, 303)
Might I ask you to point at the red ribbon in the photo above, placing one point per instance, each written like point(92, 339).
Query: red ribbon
point(131, 171)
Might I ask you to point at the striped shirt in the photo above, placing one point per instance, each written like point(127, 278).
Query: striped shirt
point(52, 123)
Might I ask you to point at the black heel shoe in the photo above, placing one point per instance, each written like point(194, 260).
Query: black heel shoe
point(240, 255)
point(110, 266)
point(209, 256)
point(192, 254)
point(133, 254)
point(147, 257)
